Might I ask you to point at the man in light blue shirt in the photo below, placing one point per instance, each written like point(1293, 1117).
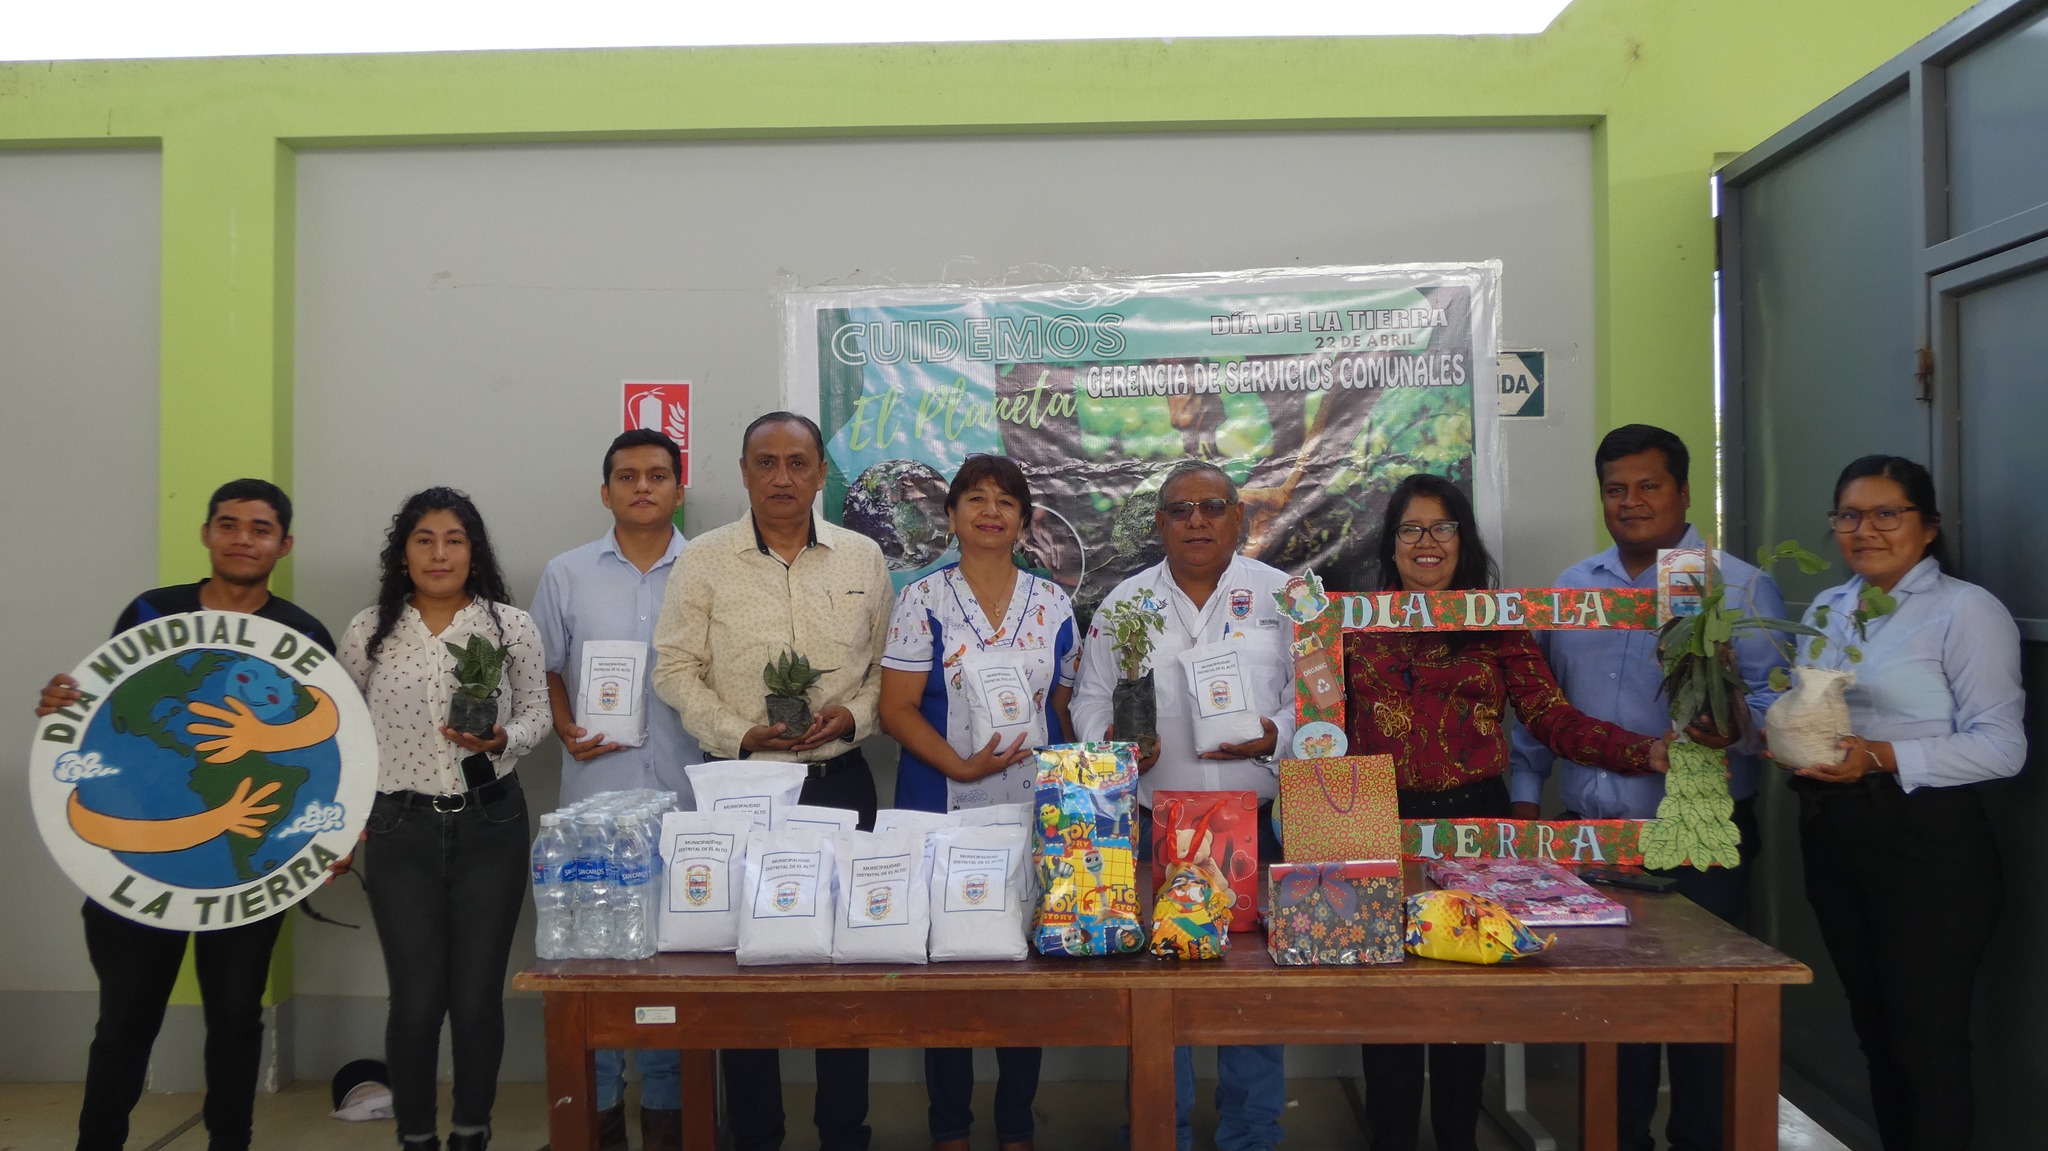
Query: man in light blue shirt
point(1614, 675)
point(612, 589)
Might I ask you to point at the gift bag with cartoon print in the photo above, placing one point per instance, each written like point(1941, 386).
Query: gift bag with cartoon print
point(1087, 866)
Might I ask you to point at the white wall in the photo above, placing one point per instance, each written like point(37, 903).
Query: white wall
point(78, 509)
point(465, 316)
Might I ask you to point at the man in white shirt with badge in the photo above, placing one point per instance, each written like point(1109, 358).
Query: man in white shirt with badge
point(596, 610)
point(1210, 598)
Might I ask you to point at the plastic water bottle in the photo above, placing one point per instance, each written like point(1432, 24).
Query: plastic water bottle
point(554, 895)
point(631, 861)
point(594, 887)
point(657, 878)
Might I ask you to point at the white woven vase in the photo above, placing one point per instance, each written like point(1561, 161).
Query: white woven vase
point(1806, 723)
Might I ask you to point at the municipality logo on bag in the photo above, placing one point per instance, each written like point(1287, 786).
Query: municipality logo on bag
point(880, 899)
point(786, 894)
point(215, 766)
point(697, 883)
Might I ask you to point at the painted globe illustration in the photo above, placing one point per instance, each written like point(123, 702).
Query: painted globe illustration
point(146, 764)
point(901, 505)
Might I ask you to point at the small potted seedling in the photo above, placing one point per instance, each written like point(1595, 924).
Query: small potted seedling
point(479, 667)
point(1134, 709)
point(789, 678)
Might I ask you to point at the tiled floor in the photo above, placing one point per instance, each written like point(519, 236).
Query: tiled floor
point(1321, 1116)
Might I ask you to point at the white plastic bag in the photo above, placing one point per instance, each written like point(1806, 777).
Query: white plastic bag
point(981, 900)
point(1226, 709)
point(612, 701)
point(760, 789)
point(703, 866)
point(822, 818)
point(790, 897)
point(885, 916)
point(906, 819)
point(1002, 702)
point(997, 814)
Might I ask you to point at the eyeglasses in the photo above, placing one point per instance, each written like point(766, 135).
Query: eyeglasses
point(1179, 510)
point(1443, 531)
point(1883, 519)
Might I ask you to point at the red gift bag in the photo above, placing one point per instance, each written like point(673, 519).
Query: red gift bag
point(1232, 819)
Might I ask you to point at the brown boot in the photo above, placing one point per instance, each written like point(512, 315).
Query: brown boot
point(611, 1128)
point(661, 1130)
point(952, 1145)
point(1020, 1145)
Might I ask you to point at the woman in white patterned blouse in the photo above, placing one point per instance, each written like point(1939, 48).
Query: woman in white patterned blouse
point(446, 851)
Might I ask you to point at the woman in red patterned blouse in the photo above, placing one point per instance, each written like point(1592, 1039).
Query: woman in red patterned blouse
point(1435, 701)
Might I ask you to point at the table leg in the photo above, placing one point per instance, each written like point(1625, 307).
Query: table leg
point(1752, 1069)
point(572, 1073)
point(1152, 1120)
point(1597, 1096)
point(700, 1100)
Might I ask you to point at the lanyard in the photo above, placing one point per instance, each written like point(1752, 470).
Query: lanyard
point(953, 581)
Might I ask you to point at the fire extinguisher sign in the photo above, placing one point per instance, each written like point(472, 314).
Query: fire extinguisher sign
point(662, 406)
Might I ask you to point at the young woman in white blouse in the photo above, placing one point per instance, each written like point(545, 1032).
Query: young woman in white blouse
point(446, 850)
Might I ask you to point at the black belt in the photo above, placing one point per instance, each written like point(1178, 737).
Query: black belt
point(1872, 783)
point(845, 760)
point(459, 801)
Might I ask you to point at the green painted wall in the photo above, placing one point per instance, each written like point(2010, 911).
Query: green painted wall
point(1666, 84)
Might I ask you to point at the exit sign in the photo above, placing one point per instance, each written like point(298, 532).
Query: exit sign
point(1521, 384)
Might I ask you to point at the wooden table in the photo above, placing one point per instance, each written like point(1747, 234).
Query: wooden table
point(1677, 976)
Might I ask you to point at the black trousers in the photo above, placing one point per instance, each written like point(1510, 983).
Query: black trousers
point(446, 891)
point(753, 1079)
point(1905, 889)
point(137, 966)
point(1457, 1071)
point(1695, 1122)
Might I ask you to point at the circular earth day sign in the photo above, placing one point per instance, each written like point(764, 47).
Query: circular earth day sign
point(215, 767)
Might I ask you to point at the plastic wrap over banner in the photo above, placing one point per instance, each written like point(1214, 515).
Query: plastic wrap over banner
point(1315, 389)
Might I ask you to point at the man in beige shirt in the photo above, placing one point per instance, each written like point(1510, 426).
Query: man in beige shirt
point(781, 579)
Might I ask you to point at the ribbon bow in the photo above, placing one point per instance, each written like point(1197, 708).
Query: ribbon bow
point(1304, 879)
point(1193, 844)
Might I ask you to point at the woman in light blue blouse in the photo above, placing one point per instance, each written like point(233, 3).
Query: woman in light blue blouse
point(1901, 868)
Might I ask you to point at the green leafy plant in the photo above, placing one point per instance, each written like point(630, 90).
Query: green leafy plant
point(791, 676)
point(1697, 652)
point(1871, 602)
point(1131, 625)
point(479, 666)
point(1703, 683)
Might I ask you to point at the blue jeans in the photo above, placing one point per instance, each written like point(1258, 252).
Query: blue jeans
point(661, 1079)
point(1251, 1093)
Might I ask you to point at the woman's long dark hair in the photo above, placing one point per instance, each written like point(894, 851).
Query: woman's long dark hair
point(394, 584)
point(1475, 565)
point(1913, 479)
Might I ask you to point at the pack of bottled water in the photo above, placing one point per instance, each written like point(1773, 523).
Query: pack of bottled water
point(597, 876)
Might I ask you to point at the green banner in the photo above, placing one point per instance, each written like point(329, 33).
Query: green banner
point(1317, 391)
